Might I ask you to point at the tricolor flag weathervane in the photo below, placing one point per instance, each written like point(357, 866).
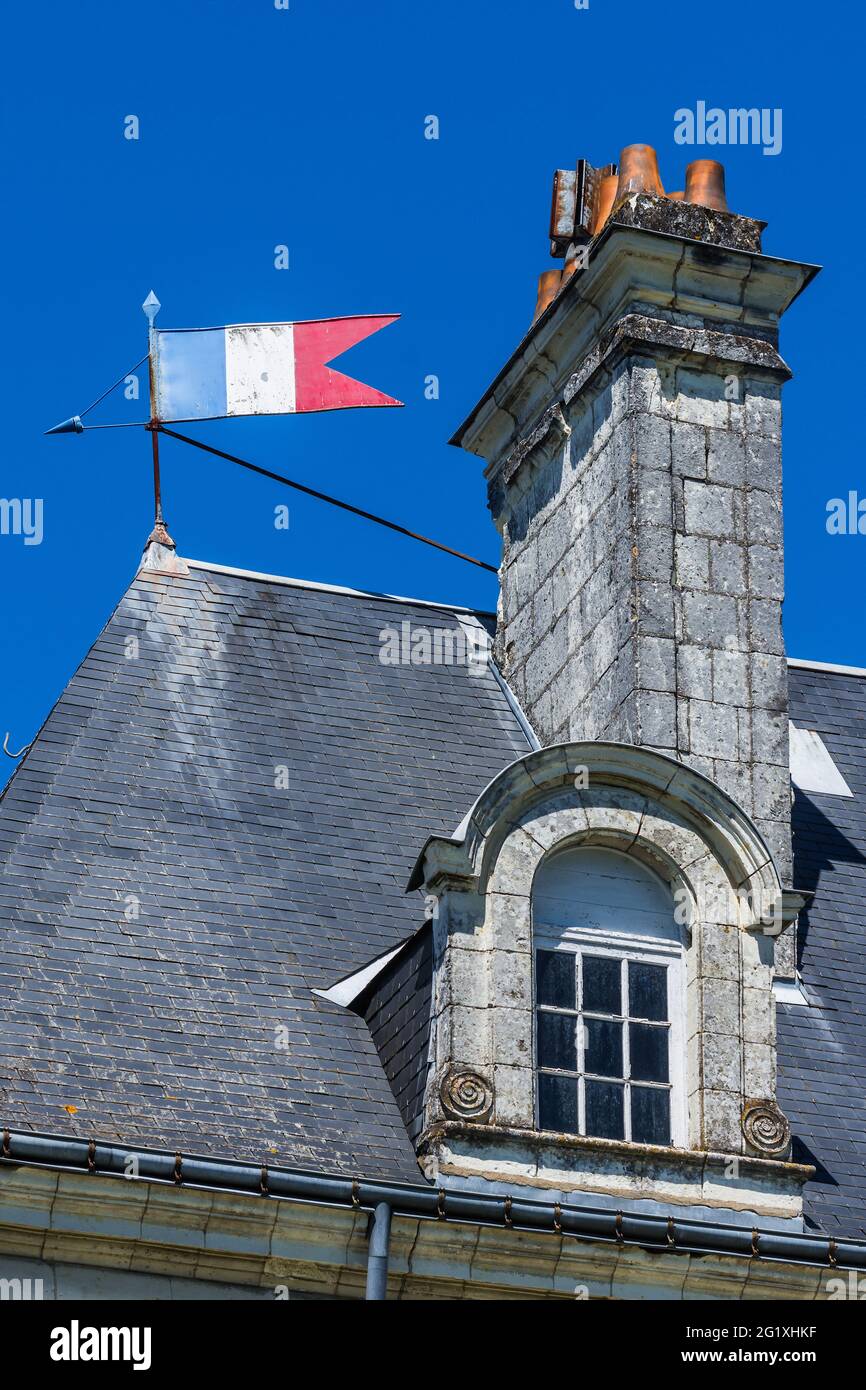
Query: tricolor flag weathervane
point(251, 369)
point(261, 369)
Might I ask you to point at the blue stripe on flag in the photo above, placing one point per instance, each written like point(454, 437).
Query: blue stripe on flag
point(192, 374)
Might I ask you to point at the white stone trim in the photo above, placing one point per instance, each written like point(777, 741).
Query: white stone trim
point(826, 666)
point(721, 826)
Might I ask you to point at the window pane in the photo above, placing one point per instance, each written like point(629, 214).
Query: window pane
point(557, 1103)
point(555, 977)
point(604, 1110)
point(648, 1046)
point(557, 1044)
point(647, 991)
point(650, 1115)
point(602, 985)
point(602, 1047)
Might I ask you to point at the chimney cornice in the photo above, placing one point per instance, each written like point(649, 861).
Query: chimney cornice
point(683, 282)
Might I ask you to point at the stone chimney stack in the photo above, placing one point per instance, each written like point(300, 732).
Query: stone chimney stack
point(633, 448)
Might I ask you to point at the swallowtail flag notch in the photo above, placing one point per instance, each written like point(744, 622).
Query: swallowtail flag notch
point(260, 369)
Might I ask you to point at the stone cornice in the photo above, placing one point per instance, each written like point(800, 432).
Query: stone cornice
point(649, 1155)
point(639, 333)
point(112, 1224)
point(628, 265)
point(741, 1185)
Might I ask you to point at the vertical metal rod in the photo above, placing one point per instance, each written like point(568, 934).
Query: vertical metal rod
point(154, 434)
point(377, 1258)
point(159, 533)
point(158, 518)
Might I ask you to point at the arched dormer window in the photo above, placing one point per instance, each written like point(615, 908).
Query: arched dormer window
point(609, 999)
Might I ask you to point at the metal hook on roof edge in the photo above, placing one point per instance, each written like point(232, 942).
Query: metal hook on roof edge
point(10, 754)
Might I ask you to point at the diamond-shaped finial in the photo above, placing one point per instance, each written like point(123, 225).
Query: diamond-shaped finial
point(151, 307)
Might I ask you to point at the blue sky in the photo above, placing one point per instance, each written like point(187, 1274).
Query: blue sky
point(261, 127)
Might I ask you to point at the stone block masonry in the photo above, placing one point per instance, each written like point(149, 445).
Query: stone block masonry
point(633, 449)
point(642, 579)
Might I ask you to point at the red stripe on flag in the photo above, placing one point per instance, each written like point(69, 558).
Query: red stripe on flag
point(317, 387)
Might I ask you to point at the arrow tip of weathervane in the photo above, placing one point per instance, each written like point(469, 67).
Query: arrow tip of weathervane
point(71, 426)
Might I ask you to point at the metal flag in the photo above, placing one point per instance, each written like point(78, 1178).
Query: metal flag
point(260, 369)
point(249, 369)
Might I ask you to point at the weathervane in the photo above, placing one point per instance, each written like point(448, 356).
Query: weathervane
point(250, 369)
point(241, 369)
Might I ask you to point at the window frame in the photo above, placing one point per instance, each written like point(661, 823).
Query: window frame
point(650, 950)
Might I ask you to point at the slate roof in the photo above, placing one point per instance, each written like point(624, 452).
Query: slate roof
point(397, 1007)
point(822, 1049)
point(165, 909)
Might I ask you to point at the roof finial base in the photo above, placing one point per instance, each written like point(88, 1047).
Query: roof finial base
point(160, 552)
point(159, 535)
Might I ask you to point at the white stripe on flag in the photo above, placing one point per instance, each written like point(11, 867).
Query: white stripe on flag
point(260, 369)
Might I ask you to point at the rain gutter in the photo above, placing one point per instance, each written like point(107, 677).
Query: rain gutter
point(421, 1201)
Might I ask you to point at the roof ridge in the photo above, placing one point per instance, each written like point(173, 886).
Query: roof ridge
point(333, 588)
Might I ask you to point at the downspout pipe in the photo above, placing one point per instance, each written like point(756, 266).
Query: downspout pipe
point(424, 1201)
point(377, 1257)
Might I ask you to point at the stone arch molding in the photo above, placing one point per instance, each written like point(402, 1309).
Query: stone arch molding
point(689, 832)
point(633, 799)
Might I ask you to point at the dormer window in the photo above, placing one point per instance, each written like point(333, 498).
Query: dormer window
point(609, 1000)
point(603, 1012)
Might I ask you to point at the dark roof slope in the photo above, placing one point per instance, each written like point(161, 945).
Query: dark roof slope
point(167, 909)
point(822, 1049)
point(397, 1007)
